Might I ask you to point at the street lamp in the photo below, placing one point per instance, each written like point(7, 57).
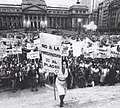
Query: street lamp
point(79, 27)
point(43, 24)
point(28, 23)
point(24, 23)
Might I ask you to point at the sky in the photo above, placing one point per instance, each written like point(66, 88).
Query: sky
point(66, 3)
point(48, 2)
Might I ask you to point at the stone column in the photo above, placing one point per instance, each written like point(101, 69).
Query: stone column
point(56, 23)
point(30, 21)
point(64, 22)
point(48, 22)
point(60, 22)
point(33, 24)
point(73, 23)
point(45, 17)
point(37, 21)
point(40, 21)
point(40, 17)
point(52, 22)
point(86, 21)
point(22, 21)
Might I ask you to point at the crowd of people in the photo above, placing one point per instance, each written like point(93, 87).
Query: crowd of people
point(85, 72)
point(82, 72)
point(22, 73)
point(79, 72)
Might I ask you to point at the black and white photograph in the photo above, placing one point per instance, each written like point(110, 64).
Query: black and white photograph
point(59, 53)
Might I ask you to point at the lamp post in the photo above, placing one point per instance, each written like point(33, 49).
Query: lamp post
point(43, 25)
point(79, 27)
point(28, 28)
point(26, 25)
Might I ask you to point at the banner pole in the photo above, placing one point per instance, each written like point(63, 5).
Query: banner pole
point(18, 58)
point(54, 86)
point(2, 66)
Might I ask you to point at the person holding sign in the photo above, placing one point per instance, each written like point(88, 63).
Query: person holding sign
point(61, 82)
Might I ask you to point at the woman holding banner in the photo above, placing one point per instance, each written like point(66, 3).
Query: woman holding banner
point(61, 82)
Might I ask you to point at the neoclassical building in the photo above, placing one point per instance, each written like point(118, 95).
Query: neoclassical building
point(31, 13)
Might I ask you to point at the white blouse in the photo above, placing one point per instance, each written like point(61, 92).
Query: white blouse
point(62, 76)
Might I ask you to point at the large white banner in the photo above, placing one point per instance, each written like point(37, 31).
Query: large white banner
point(77, 48)
point(51, 52)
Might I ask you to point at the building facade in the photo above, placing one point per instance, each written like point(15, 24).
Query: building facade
point(92, 4)
point(103, 10)
point(114, 15)
point(106, 4)
point(30, 13)
point(94, 17)
point(100, 16)
point(87, 3)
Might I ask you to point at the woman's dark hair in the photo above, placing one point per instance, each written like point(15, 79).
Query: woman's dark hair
point(65, 62)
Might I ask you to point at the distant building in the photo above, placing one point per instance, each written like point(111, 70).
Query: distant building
point(103, 10)
point(87, 3)
point(92, 4)
point(30, 13)
point(93, 8)
point(105, 22)
point(94, 16)
point(100, 16)
point(118, 19)
point(114, 15)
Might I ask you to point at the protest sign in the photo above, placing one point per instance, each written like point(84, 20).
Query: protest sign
point(1, 55)
point(51, 52)
point(65, 49)
point(2, 50)
point(17, 50)
point(30, 46)
point(33, 55)
point(37, 43)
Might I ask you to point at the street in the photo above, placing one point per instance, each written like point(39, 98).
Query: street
point(90, 97)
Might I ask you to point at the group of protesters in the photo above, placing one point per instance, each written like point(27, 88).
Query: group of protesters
point(21, 74)
point(85, 72)
point(82, 72)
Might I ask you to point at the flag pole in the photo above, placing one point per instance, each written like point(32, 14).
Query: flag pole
point(2, 66)
point(18, 58)
point(54, 87)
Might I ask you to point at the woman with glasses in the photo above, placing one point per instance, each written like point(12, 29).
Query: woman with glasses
point(61, 82)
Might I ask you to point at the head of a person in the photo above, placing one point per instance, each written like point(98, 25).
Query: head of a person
point(41, 65)
point(64, 64)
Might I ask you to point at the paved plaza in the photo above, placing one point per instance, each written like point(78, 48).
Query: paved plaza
point(93, 97)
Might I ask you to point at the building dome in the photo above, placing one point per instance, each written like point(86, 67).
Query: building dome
point(38, 2)
point(79, 6)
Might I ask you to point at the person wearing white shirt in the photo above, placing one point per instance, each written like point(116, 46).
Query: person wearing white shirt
point(95, 71)
point(61, 82)
point(104, 72)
